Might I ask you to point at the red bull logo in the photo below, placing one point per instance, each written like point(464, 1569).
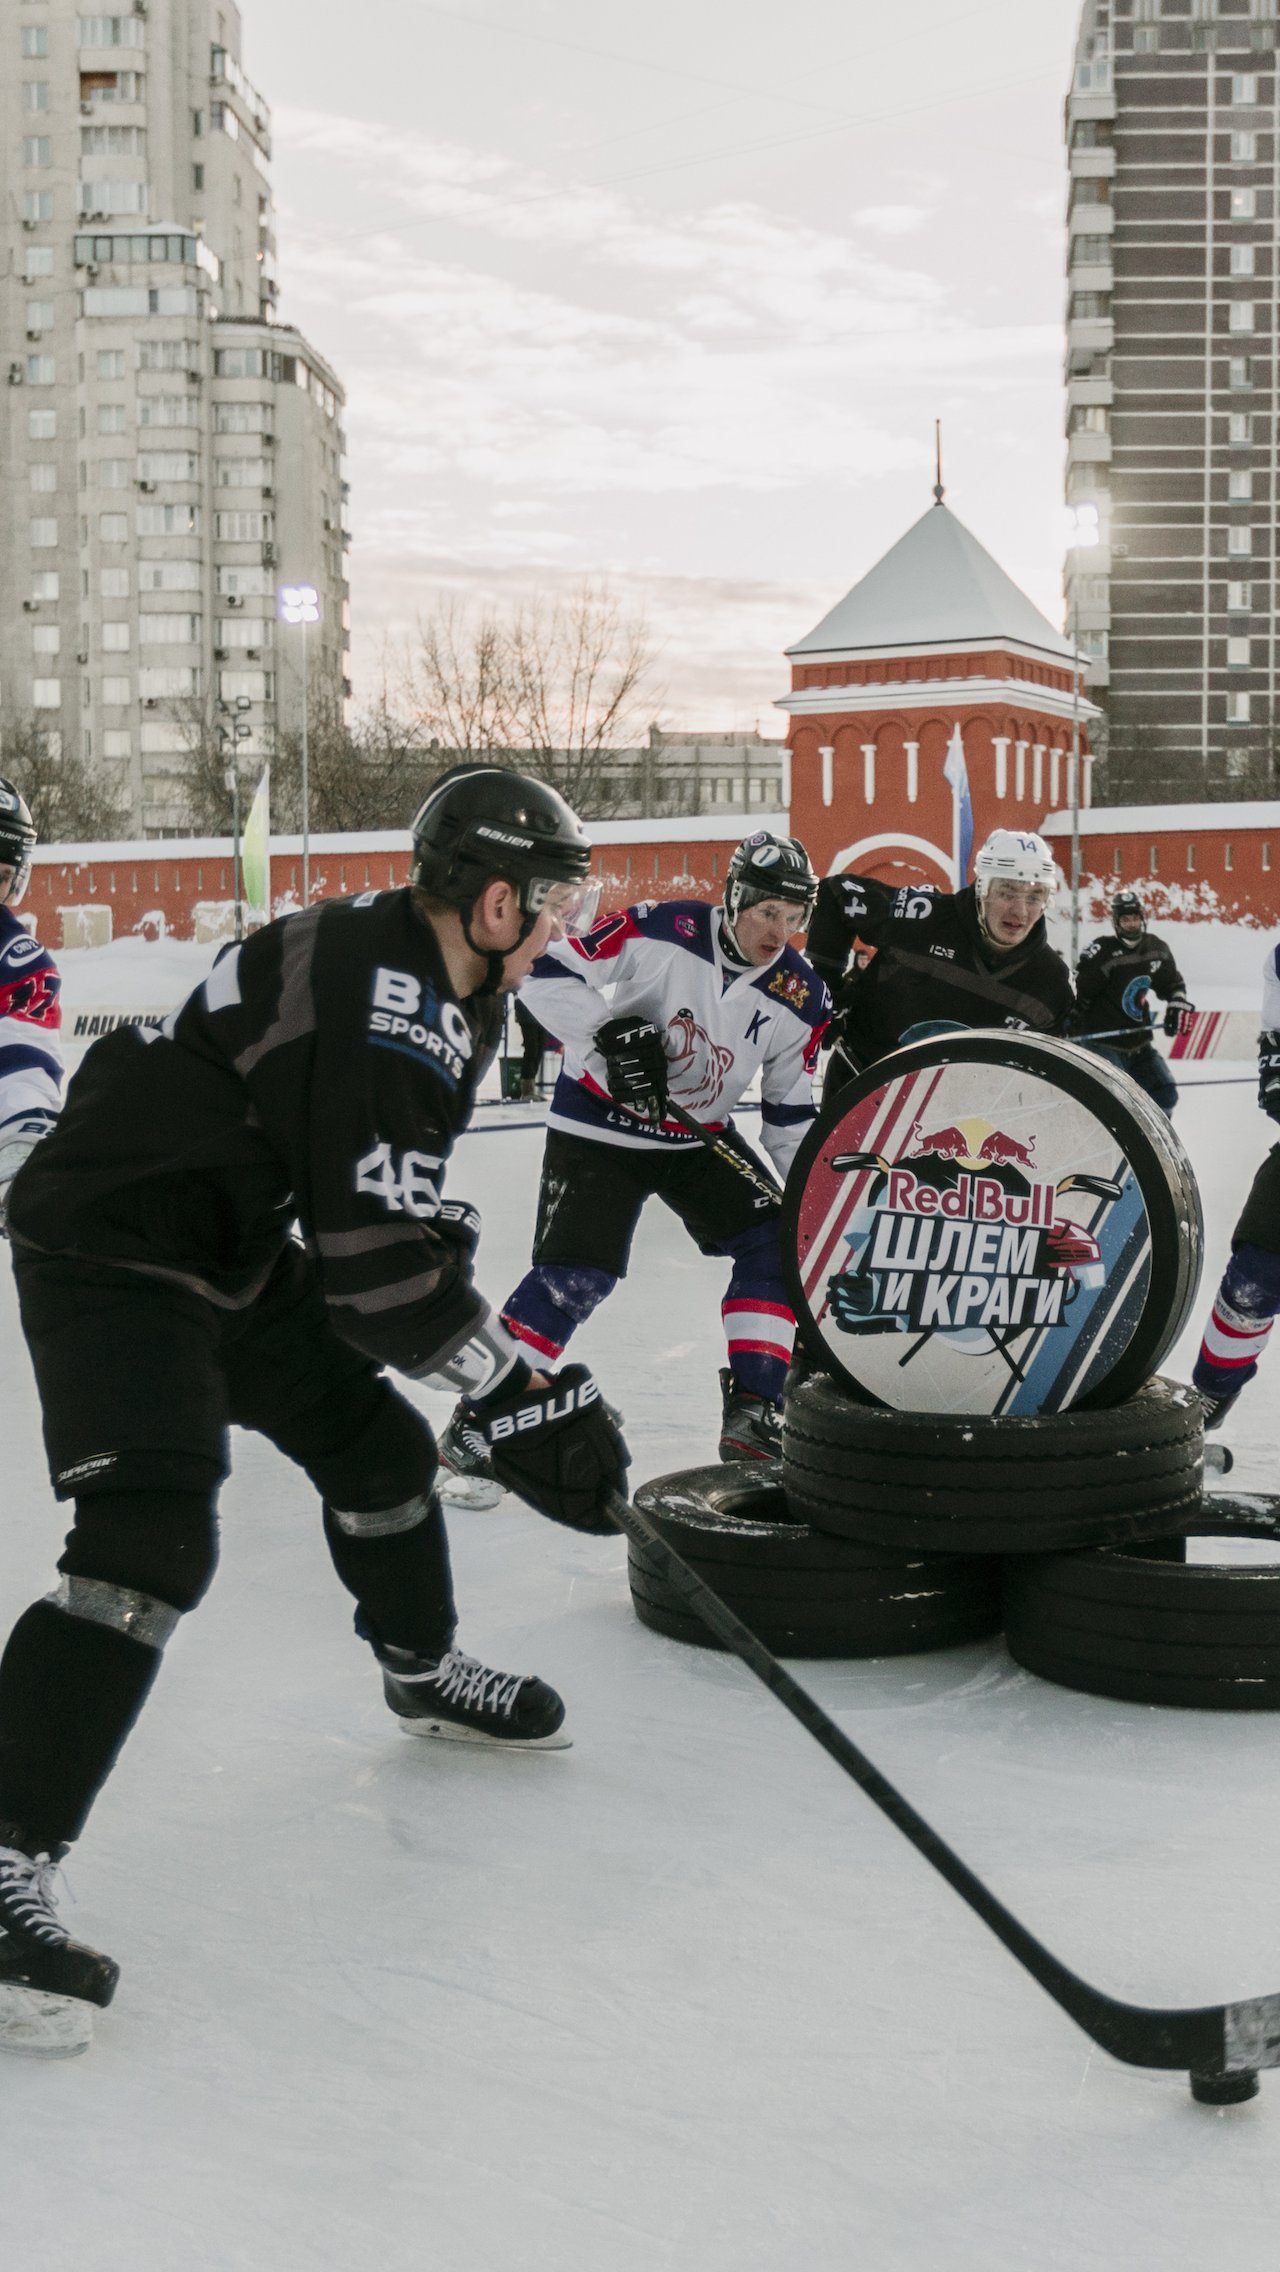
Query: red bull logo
point(1004, 1151)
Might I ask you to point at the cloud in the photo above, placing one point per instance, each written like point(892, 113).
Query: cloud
point(892, 220)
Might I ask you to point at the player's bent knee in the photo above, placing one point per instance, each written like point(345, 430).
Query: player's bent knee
point(386, 1460)
point(157, 1547)
point(384, 1522)
point(121, 1609)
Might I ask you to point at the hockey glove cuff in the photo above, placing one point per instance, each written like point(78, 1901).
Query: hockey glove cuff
point(635, 1064)
point(1269, 1074)
point(1178, 1015)
point(558, 1449)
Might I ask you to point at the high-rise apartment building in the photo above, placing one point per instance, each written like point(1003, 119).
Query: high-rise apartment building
point(171, 452)
point(1173, 414)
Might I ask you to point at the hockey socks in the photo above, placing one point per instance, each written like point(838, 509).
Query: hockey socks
point(759, 1324)
point(551, 1301)
point(1239, 1327)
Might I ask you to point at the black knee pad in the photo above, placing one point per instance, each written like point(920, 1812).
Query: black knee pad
point(386, 1457)
point(160, 1543)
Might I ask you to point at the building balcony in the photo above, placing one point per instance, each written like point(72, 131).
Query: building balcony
point(1090, 335)
point(1091, 276)
point(1088, 449)
point(1089, 391)
point(1093, 165)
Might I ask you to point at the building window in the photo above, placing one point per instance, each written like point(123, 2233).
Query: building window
point(1154, 863)
point(1238, 654)
point(168, 355)
point(1240, 486)
point(1239, 599)
point(115, 638)
point(168, 520)
point(35, 94)
point(42, 425)
point(113, 528)
point(243, 528)
point(113, 418)
point(37, 150)
point(1115, 861)
point(1244, 87)
point(34, 41)
point(197, 177)
point(46, 639)
point(1244, 204)
point(44, 585)
point(1239, 542)
point(114, 473)
point(37, 205)
point(1239, 426)
point(1237, 709)
point(1266, 858)
point(117, 741)
point(1228, 856)
point(1244, 149)
point(168, 410)
point(1146, 39)
point(168, 465)
point(37, 261)
point(112, 31)
point(1242, 260)
point(46, 694)
point(1191, 858)
point(41, 370)
point(168, 630)
point(116, 692)
point(1241, 316)
point(44, 477)
point(1238, 372)
point(44, 535)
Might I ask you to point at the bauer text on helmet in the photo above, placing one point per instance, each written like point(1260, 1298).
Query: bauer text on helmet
point(479, 822)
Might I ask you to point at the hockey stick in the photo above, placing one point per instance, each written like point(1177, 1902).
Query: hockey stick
point(756, 1177)
point(1220, 2046)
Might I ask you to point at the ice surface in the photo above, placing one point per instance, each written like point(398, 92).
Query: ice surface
point(676, 2000)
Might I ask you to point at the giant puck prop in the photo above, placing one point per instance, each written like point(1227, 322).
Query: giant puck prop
point(991, 1223)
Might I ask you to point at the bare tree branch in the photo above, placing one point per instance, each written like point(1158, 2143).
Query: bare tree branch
point(71, 802)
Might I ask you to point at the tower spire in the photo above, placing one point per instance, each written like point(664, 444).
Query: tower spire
point(937, 454)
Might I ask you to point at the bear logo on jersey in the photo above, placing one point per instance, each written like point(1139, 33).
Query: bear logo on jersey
point(698, 1064)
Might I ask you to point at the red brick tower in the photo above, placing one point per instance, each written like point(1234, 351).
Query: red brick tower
point(935, 636)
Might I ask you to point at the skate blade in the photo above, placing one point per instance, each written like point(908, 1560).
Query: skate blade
point(37, 2025)
point(451, 1731)
point(468, 1490)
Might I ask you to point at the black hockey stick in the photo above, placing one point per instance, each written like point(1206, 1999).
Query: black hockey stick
point(1220, 2046)
point(756, 1177)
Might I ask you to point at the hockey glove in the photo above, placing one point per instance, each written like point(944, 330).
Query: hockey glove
point(459, 1222)
point(1179, 1014)
point(557, 1448)
point(635, 1065)
point(1269, 1074)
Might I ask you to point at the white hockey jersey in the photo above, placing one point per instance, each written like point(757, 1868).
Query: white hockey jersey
point(30, 1019)
point(663, 960)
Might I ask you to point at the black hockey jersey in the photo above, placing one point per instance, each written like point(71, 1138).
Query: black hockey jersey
point(932, 967)
point(320, 1073)
point(1114, 981)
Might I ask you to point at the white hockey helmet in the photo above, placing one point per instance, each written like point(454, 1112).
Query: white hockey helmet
point(1014, 856)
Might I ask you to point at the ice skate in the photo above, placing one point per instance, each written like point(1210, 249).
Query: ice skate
point(49, 1983)
point(466, 1474)
point(465, 1702)
point(751, 1427)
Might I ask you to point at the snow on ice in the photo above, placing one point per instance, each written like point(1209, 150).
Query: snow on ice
point(676, 2000)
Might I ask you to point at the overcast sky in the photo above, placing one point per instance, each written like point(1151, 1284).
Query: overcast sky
point(673, 295)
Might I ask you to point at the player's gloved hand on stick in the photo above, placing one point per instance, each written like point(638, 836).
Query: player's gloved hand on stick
point(459, 1222)
point(1179, 1014)
point(1269, 1074)
point(635, 1064)
point(557, 1448)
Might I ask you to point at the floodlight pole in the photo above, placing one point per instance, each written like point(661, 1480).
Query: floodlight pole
point(306, 781)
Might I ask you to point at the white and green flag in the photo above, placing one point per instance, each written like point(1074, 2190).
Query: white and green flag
point(255, 857)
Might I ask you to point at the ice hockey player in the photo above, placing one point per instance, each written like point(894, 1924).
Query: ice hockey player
point(321, 1072)
point(1114, 983)
point(944, 960)
point(30, 1011)
point(1248, 1298)
point(703, 998)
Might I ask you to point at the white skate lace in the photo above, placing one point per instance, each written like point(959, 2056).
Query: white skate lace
point(26, 1896)
point(462, 1680)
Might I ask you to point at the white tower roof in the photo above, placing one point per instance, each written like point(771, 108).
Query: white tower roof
point(937, 587)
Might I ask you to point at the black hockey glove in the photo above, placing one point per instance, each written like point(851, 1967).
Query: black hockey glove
point(1269, 1074)
point(558, 1449)
point(459, 1222)
point(1179, 1014)
point(635, 1064)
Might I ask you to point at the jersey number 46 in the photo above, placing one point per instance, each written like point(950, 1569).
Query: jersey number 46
point(409, 1189)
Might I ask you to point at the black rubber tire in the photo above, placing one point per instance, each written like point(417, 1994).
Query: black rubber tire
point(974, 1484)
point(803, 1593)
point(1137, 1341)
point(1148, 1631)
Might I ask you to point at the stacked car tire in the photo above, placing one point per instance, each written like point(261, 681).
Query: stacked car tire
point(887, 1529)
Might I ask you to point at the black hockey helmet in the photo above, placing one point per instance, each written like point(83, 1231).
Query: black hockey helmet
point(770, 867)
point(481, 822)
point(1128, 903)
point(17, 840)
